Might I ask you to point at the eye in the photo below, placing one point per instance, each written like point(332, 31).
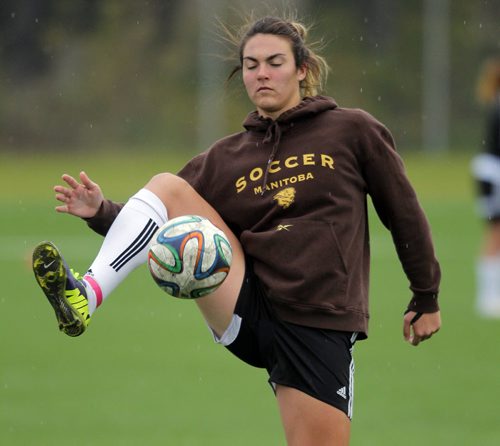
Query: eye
point(250, 66)
point(276, 64)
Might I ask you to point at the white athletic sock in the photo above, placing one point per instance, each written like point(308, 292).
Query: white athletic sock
point(126, 244)
point(488, 286)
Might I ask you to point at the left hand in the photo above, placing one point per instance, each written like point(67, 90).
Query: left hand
point(421, 329)
point(79, 199)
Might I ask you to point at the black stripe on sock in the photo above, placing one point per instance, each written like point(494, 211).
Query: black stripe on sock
point(136, 246)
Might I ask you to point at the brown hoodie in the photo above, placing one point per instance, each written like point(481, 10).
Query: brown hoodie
point(294, 192)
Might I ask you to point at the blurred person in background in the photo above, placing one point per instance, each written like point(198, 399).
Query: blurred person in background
point(290, 192)
point(486, 171)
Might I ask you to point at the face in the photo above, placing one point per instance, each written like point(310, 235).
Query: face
point(270, 76)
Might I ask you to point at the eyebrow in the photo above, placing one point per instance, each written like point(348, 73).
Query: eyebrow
point(272, 56)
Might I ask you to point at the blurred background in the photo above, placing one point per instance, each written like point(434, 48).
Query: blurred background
point(80, 74)
point(125, 89)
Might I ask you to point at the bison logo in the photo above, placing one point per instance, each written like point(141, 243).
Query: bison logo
point(285, 197)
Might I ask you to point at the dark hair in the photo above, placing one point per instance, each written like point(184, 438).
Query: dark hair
point(296, 33)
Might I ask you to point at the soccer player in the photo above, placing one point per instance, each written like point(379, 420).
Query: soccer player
point(290, 191)
point(486, 170)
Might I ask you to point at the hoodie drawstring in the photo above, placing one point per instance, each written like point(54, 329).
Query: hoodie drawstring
point(273, 130)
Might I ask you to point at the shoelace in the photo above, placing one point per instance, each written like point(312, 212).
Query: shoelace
point(76, 274)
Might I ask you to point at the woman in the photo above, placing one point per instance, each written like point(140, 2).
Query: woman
point(290, 193)
point(486, 170)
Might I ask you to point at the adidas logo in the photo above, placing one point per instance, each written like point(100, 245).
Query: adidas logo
point(342, 392)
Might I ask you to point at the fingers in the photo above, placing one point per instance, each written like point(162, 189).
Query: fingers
point(70, 181)
point(65, 193)
point(415, 340)
point(407, 329)
point(61, 191)
point(418, 328)
point(86, 181)
point(84, 178)
point(412, 338)
point(62, 197)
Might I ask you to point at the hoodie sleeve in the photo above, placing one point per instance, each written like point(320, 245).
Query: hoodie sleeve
point(102, 221)
point(398, 208)
point(194, 173)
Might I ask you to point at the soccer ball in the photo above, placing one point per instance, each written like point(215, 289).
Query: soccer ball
point(189, 257)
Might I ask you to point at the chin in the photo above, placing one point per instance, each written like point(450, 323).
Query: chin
point(268, 106)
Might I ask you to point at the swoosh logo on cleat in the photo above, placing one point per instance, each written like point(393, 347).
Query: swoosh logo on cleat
point(47, 265)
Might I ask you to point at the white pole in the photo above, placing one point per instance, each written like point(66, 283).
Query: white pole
point(435, 126)
point(210, 122)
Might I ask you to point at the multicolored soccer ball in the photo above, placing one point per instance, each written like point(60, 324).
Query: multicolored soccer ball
point(189, 257)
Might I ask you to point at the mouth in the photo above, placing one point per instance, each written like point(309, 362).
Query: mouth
point(263, 89)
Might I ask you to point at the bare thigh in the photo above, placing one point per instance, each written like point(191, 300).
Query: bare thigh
point(310, 422)
point(491, 240)
point(181, 199)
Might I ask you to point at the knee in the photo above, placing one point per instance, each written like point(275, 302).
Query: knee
point(167, 186)
point(166, 181)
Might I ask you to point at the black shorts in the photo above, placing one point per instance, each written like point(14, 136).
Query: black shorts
point(489, 198)
point(486, 172)
point(315, 361)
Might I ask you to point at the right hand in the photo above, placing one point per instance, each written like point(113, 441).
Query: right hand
point(427, 325)
point(80, 199)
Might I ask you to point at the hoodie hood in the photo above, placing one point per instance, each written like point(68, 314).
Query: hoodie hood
point(309, 106)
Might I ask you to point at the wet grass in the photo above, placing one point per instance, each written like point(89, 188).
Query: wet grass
point(147, 372)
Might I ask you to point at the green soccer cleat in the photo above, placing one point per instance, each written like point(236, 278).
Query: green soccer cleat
point(63, 288)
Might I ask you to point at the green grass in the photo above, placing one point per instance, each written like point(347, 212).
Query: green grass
point(147, 372)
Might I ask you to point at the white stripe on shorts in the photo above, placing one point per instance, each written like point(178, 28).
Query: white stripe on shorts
point(351, 377)
point(231, 332)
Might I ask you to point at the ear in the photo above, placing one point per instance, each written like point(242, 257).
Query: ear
point(301, 72)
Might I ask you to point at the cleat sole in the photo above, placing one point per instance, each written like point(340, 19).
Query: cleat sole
point(50, 273)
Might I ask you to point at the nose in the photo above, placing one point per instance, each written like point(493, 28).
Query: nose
point(262, 72)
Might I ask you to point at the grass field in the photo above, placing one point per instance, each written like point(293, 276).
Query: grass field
point(148, 373)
